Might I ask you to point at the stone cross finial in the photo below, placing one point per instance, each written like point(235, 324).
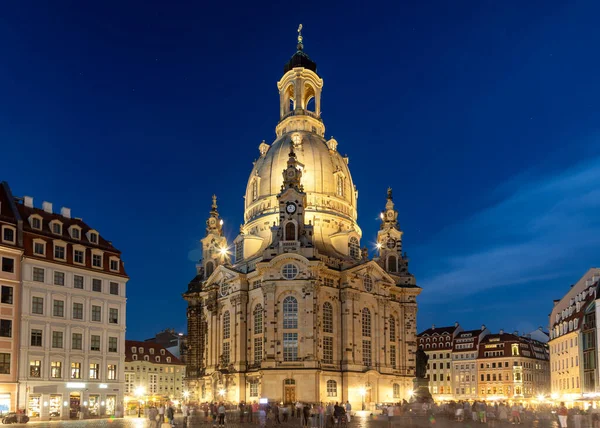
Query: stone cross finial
point(300, 46)
point(214, 202)
point(389, 193)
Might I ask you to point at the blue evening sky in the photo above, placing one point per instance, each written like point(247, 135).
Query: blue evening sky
point(482, 115)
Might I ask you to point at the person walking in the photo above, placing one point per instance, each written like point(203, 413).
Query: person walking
point(161, 414)
point(171, 415)
point(153, 417)
point(305, 415)
point(563, 414)
point(221, 411)
point(255, 410)
point(348, 410)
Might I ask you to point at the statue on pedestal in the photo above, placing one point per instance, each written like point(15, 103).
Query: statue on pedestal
point(421, 393)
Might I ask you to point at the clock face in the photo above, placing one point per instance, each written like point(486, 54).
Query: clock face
point(390, 214)
point(291, 173)
point(391, 243)
point(291, 208)
point(212, 221)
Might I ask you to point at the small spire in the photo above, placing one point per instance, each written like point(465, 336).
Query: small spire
point(214, 202)
point(300, 45)
point(389, 193)
point(292, 153)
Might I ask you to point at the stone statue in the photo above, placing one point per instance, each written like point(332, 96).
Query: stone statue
point(421, 369)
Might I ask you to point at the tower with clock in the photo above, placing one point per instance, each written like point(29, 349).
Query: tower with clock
point(214, 244)
point(389, 239)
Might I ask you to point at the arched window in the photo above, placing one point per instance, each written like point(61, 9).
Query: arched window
point(392, 264)
point(366, 322)
point(290, 313)
point(327, 318)
point(226, 325)
point(340, 185)
point(354, 248)
point(290, 231)
point(254, 189)
point(209, 269)
point(331, 388)
point(396, 390)
point(392, 329)
point(258, 319)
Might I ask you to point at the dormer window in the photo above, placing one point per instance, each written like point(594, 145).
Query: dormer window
point(94, 238)
point(146, 358)
point(133, 349)
point(36, 223)
point(75, 232)
point(134, 357)
point(56, 227)
point(39, 247)
point(8, 234)
point(157, 359)
point(151, 350)
point(162, 352)
point(114, 264)
point(168, 359)
point(97, 259)
point(141, 350)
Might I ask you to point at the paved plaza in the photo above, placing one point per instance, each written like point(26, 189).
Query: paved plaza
point(357, 422)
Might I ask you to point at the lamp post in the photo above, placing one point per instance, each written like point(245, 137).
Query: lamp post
point(139, 391)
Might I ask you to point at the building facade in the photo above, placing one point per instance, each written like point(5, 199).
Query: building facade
point(464, 363)
point(175, 343)
point(152, 373)
point(302, 313)
point(437, 342)
point(72, 332)
point(11, 252)
point(512, 367)
point(573, 340)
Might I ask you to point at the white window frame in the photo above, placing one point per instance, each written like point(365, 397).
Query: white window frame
point(79, 248)
point(89, 236)
point(98, 253)
point(59, 244)
point(60, 225)
point(5, 227)
point(114, 259)
point(71, 229)
point(39, 241)
point(39, 217)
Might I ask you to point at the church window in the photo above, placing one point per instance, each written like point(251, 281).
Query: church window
point(392, 329)
point(226, 325)
point(393, 356)
point(367, 353)
point(258, 319)
point(366, 322)
point(254, 389)
point(289, 271)
point(239, 251)
point(226, 358)
point(209, 269)
point(331, 388)
point(290, 346)
point(396, 390)
point(290, 231)
point(354, 248)
point(258, 349)
point(290, 313)
point(224, 289)
point(254, 190)
point(328, 282)
point(392, 264)
point(328, 350)
point(327, 318)
point(368, 283)
point(340, 185)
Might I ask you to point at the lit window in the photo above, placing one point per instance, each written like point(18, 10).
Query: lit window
point(56, 369)
point(94, 371)
point(112, 371)
point(258, 349)
point(35, 368)
point(396, 390)
point(290, 346)
point(331, 388)
point(328, 350)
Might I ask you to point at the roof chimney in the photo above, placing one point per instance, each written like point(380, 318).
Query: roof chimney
point(501, 331)
point(482, 327)
point(456, 324)
point(65, 212)
point(28, 201)
point(433, 326)
point(47, 206)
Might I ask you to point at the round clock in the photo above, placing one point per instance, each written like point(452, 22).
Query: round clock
point(391, 243)
point(291, 208)
point(291, 173)
point(390, 214)
point(212, 221)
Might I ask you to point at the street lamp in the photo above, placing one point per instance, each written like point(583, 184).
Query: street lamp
point(362, 392)
point(222, 393)
point(139, 391)
point(186, 395)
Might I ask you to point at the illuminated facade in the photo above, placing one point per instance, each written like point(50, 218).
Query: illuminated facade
point(573, 339)
point(465, 351)
point(302, 313)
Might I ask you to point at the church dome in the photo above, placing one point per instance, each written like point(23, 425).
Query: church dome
point(331, 196)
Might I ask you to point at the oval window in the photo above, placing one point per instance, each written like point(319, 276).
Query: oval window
point(289, 271)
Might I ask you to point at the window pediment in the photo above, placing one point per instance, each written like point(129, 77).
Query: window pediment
point(36, 221)
point(75, 232)
point(56, 227)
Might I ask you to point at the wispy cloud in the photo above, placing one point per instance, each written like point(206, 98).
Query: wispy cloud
point(543, 229)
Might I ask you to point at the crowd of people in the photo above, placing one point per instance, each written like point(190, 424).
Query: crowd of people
point(164, 413)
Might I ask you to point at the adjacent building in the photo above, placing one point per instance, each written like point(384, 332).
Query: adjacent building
point(300, 311)
point(465, 351)
point(174, 342)
point(11, 252)
point(512, 367)
point(437, 343)
point(70, 305)
point(573, 340)
point(152, 373)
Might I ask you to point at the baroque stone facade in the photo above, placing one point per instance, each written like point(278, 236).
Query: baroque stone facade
point(299, 311)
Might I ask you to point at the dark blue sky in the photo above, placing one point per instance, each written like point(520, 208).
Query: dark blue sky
point(483, 116)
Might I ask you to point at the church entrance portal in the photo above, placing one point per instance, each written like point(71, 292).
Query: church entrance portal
point(289, 391)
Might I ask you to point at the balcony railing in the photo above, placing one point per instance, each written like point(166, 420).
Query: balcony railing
point(301, 112)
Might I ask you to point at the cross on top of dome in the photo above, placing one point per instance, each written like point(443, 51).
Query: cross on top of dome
point(300, 58)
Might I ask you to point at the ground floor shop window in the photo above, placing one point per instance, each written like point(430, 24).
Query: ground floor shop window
point(4, 403)
point(94, 405)
point(55, 406)
point(34, 406)
point(111, 402)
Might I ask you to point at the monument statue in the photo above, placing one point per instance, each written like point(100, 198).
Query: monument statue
point(421, 369)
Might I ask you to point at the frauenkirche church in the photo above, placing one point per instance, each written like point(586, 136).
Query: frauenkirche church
point(299, 311)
